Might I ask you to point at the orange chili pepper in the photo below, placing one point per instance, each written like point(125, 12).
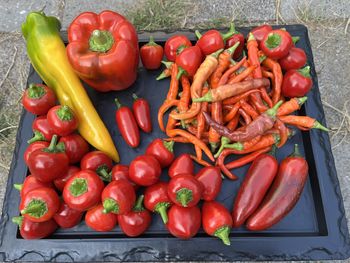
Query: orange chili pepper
point(249, 109)
point(166, 106)
point(245, 115)
point(201, 125)
point(231, 114)
point(224, 78)
point(277, 76)
point(303, 121)
point(237, 98)
point(201, 162)
point(233, 123)
point(221, 163)
point(283, 132)
point(174, 84)
point(186, 94)
point(241, 76)
point(290, 106)
point(246, 159)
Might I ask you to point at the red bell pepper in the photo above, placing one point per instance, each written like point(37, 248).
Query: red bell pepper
point(62, 120)
point(42, 130)
point(145, 170)
point(295, 59)
point(75, 147)
point(276, 44)
point(237, 37)
point(32, 147)
point(67, 217)
point(103, 50)
point(162, 151)
point(98, 162)
point(183, 164)
point(297, 83)
point(34, 230)
point(210, 178)
point(142, 113)
point(38, 99)
point(188, 60)
point(29, 184)
point(96, 219)
point(61, 181)
point(151, 54)
point(260, 32)
point(173, 43)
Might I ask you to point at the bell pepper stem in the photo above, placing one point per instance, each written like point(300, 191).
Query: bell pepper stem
point(273, 40)
point(117, 102)
point(231, 31)
point(206, 98)
point(139, 204)
point(167, 64)
point(305, 71)
point(223, 233)
point(110, 205)
point(35, 92)
point(181, 72)
point(151, 42)
point(295, 39)
point(65, 113)
point(35, 208)
point(78, 187)
point(18, 220)
point(38, 136)
point(180, 49)
point(184, 196)
point(52, 146)
point(101, 41)
point(103, 172)
point(296, 152)
point(273, 111)
point(169, 145)
point(162, 75)
point(198, 35)
point(18, 186)
point(161, 208)
point(319, 126)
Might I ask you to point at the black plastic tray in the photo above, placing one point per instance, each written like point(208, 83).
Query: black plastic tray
point(315, 229)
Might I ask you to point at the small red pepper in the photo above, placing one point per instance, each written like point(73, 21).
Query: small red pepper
point(260, 32)
point(49, 163)
point(98, 162)
point(276, 44)
point(75, 147)
point(237, 37)
point(157, 200)
point(217, 221)
point(61, 181)
point(295, 59)
point(183, 164)
point(145, 170)
point(118, 197)
point(162, 151)
point(67, 217)
point(151, 54)
point(99, 221)
point(62, 120)
point(38, 99)
point(184, 190)
point(136, 221)
point(297, 83)
point(188, 60)
point(40, 204)
point(121, 171)
point(83, 190)
point(34, 230)
point(29, 184)
point(42, 130)
point(142, 113)
point(210, 178)
point(32, 147)
point(173, 43)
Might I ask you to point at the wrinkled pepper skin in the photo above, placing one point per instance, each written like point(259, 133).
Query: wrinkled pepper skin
point(103, 50)
point(47, 54)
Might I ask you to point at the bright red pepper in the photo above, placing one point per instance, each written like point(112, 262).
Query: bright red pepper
point(173, 43)
point(32, 147)
point(255, 185)
point(145, 170)
point(38, 99)
point(127, 125)
point(157, 200)
point(297, 83)
point(83, 190)
point(183, 164)
point(67, 217)
point(97, 220)
point(235, 38)
point(49, 163)
point(103, 50)
point(276, 44)
point(34, 230)
point(283, 194)
point(184, 190)
point(62, 120)
point(260, 32)
point(98, 162)
point(162, 151)
point(136, 221)
point(217, 221)
point(151, 54)
point(118, 197)
point(142, 113)
point(120, 171)
point(42, 130)
point(210, 178)
point(40, 204)
point(295, 59)
point(188, 60)
point(61, 181)
point(184, 222)
point(75, 147)
point(30, 183)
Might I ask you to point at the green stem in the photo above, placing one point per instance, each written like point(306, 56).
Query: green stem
point(117, 102)
point(302, 100)
point(273, 40)
point(110, 205)
point(296, 152)
point(250, 37)
point(64, 113)
point(18, 220)
point(198, 35)
point(180, 49)
point(38, 136)
point(180, 72)
point(134, 96)
point(18, 186)
point(161, 208)
point(273, 111)
point(101, 41)
point(295, 39)
point(223, 233)
point(169, 145)
point(213, 146)
point(103, 172)
point(224, 141)
point(78, 187)
point(305, 71)
point(35, 92)
point(139, 204)
point(167, 64)
point(231, 31)
point(151, 42)
point(319, 126)
point(52, 146)
point(184, 196)
point(216, 53)
point(206, 98)
point(232, 49)
point(35, 208)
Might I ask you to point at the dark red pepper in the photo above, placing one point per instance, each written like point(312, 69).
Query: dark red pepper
point(32, 147)
point(38, 99)
point(295, 59)
point(210, 178)
point(62, 120)
point(145, 170)
point(98, 162)
point(237, 37)
point(297, 83)
point(183, 164)
point(34, 230)
point(260, 32)
point(30, 183)
point(99, 221)
point(67, 217)
point(61, 181)
point(42, 130)
point(188, 60)
point(162, 151)
point(142, 113)
point(173, 43)
point(151, 54)
point(276, 44)
point(75, 147)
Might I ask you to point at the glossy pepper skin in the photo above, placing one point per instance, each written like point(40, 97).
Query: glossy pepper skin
point(188, 60)
point(121, 172)
point(75, 147)
point(295, 59)
point(40, 204)
point(173, 43)
point(254, 187)
point(98, 162)
point(99, 221)
point(61, 181)
point(217, 221)
point(184, 190)
point(276, 44)
point(151, 54)
point(157, 200)
point(49, 163)
point(184, 222)
point(145, 170)
point(42, 130)
point(67, 217)
point(260, 32)
point(210, 178)
point(103, 50)
point(34, 230)
point(29, 184)
point(183, 164)
point(162, 151)
point(136, 221)
point(83, 190)
point(237, 37)
point(297, 83)
point(142, 113)
point(283, 194)
point(56, 71)
point(32, 147)
point(62, 120)
point(38, 99)
point(127, 125)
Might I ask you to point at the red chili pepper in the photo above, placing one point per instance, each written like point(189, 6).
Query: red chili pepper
point(173, 43)
point(34, 230)
point(38, 99)
point(83, 190)
point(145, 170)
point(254, 187)
point(49, 163)
point(40, 204)
point(217, 221)
point(103, 50)
point(210, 178)
point(96, 219)
point(118, 197)
point(32, 147)
point(296, 83)
point(136, 221)
point(142, 113)
point(151, 54)
point(260, 32)
point(42, 130)
point(184, 190)
point(127, 125)
point(184, 222)
point(276, 44)
point(30, 183)
point(62, 120)
point(295, 59)
point(283, 194)
point(61, 181)
point(162, 150)
point(98, 162)
point(75, 147)
point(236, 38)
point(67, 217)
point(183, 164)
point(157, 200)
point(188, 60)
